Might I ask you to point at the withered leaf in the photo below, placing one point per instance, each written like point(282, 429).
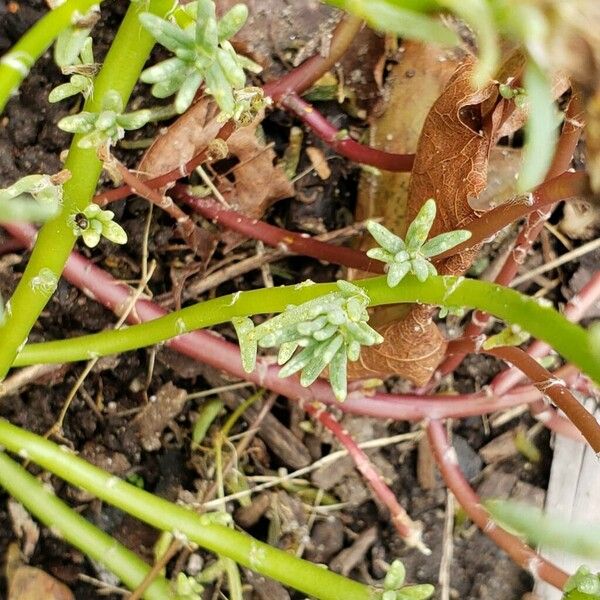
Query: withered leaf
point(257, 181)
point(29, 583)
point(413, 347)
point(413, 86)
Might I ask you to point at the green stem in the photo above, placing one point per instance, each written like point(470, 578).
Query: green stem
point(543, 322)
point(15, 64)
point(56, 239)
point(302, 575)
point(76, 530)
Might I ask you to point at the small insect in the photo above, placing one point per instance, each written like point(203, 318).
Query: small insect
point(81, 221)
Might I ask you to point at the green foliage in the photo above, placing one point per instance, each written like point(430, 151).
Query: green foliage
point(397, 17)
point(330, 330)
point(541, 529)
point(81, 81)
point(107, 126)
point(583, 585)
point(524, 22)
point(71, 41)
point(187, 588)
point(512, 335)
point(203, 54)
point(394, 589)
point(93, 223)
point(412, 255)
point(32, 198)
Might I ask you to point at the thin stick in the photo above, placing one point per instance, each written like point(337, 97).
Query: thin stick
point(409, 530)
point(274, 236)
point(525, 557)
point(561, 260)
point(341, 142)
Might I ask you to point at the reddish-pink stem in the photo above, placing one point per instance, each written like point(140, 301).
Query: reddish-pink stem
point(520, 553)
point(532, 227)
point(555, 389)
point(304, 76)
point(211, 349)
point(8, 246)
point(342, 143)
point(563, 187)
point(275, 236)
point(409, 530)
point(549, 384)
point(104, 198)
point(574, 310)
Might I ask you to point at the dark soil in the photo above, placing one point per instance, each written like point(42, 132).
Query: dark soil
point(119, 387)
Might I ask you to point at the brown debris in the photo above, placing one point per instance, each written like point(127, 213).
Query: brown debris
point(156, 415)
point(351, 557)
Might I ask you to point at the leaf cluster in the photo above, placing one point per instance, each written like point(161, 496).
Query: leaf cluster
point(203, 54)
point(107, 126)
point(329, 331)
point(413, 254)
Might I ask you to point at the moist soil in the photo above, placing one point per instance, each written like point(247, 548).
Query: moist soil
point(356, 539)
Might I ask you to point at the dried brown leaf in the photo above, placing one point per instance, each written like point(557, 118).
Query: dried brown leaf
point(29, 583)
point(413, 347)
point(257, 181)
point(412, 88)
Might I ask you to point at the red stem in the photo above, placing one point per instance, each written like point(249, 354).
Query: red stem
point(563, 187)
point(160, 181)
point(521, 554)
point(531, 229)
point(574, 310)
point(549, 384)
point(301, 78)
point(213, 350)
point(342, 143)
point(275, 236)
point(555, 389)
point(409, 530)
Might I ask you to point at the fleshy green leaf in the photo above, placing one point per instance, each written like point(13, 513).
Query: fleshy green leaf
point(248, 348)
point(319, 361)
point(444, 241)
point(582, 539)
point(540, 130)
point(207, 37)
point(338, 375)
point(114, 232)
point(168, 35)
point(187, 91)
point(396, 273)
point(163, 70)
point(385, 238)
point(134, 120)
point(419, 229)
point(80, 123)
point(232, 21)
point(65, 90)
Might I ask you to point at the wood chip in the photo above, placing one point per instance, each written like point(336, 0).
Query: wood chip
point(319, 162)
point(349, 558)
point(156, 415)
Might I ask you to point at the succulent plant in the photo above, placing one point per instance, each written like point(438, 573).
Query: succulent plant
point(412, 255)
point(82, 72)
point(329, 331)
point(107, 126)
point(203, 54)
point(93, 223)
